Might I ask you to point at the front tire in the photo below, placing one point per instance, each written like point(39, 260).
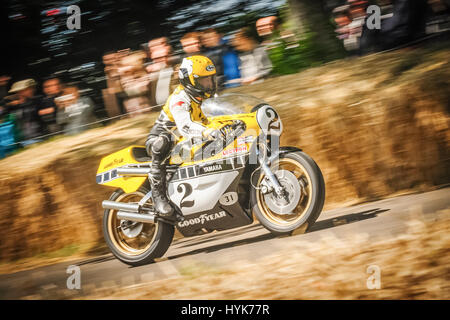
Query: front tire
point(310, 203)
point(140, 244)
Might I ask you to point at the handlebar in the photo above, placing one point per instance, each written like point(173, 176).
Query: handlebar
point(228, 129)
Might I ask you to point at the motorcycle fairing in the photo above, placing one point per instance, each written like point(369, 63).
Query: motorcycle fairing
point(107, 174)
point(198, 187)
point(216, 210)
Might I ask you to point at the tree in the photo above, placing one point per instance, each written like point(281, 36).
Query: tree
point(310, 17)
point(224, 15)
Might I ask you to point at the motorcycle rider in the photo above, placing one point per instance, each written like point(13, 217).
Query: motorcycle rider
point(182, 113)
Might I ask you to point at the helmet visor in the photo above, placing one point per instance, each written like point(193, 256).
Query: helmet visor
point(208, 83)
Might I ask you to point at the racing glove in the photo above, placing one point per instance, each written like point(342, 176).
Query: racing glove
point(213, 134)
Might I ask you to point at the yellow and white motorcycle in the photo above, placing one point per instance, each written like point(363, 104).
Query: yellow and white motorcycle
point(212, 185)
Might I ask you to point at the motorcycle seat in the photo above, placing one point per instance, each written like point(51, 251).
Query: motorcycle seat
point(140, 154)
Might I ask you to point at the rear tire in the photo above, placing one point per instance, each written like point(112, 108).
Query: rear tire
point(286, 224)
point(117, 241)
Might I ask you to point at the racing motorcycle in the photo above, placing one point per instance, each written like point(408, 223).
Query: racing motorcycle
point(212, 184)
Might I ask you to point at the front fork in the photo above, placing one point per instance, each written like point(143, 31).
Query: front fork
point(270, 182)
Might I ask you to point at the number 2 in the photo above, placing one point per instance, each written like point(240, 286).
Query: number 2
point(187, 192)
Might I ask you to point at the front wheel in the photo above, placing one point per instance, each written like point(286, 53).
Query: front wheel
point(303, 182)
point(135, 243)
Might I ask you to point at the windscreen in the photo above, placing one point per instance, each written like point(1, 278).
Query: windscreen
point(231, 103)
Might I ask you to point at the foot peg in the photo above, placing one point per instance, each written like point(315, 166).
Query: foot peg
point(172, 219)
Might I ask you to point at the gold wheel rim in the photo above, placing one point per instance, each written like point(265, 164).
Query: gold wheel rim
point(305, 199)
point(136, 245)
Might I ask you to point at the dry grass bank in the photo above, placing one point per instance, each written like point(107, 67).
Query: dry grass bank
point(376, 125)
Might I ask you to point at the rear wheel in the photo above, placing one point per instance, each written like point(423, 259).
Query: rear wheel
point(303, 181)
point(135, 243)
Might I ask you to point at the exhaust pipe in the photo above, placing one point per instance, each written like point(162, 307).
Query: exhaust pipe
point(114, 205)
point(128, 211)
point(137, 172)
point(145, 218)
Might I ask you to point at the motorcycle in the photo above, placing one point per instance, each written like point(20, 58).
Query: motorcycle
point(212, 185)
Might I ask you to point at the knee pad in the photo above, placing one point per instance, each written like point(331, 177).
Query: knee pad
point(161, 145)
point(149, 143)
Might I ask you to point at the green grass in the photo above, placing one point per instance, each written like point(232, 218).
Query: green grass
point(65, 251)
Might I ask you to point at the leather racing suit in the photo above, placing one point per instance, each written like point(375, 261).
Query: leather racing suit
point(180, 116)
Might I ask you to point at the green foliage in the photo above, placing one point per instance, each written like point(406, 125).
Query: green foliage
point(288, 58)
point(314, 47)
point(65, 251)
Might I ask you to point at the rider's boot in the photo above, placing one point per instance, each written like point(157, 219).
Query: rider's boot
point(160, 202)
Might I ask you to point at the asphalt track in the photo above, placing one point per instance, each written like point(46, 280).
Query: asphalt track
point(378, 220)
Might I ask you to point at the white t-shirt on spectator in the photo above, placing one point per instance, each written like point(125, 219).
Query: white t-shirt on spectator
point(163, 85)
point(255, 63)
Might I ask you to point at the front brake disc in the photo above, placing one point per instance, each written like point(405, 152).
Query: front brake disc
point(291, 186)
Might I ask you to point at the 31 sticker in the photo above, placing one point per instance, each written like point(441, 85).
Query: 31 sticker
point(228, 199)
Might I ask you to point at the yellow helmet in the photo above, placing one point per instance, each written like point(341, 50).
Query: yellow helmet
point(197, 75)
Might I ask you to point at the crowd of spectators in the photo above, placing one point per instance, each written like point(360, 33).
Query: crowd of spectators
point(401, 21)
point(136, 81)
point(139, 80)
point(28, 117)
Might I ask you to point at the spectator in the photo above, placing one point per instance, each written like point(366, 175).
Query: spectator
point(265, 27)
point(439, 6)
point(164, 69)
point(156, 44)
point(342, 19)
point(407, 23)
point(52, 88)
point(134, 81)
point(254, 61)
point(74, 112)
point(24, 106)
point(215, 50)
point(3, 86)
point(113, 95)
point(231, 64)
point(191, 44)
point(8, 128)
point(163, 78)
point(3, 93)
point(111, 61)
point(273, 35)
point(284, 48)
point(349, 20)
